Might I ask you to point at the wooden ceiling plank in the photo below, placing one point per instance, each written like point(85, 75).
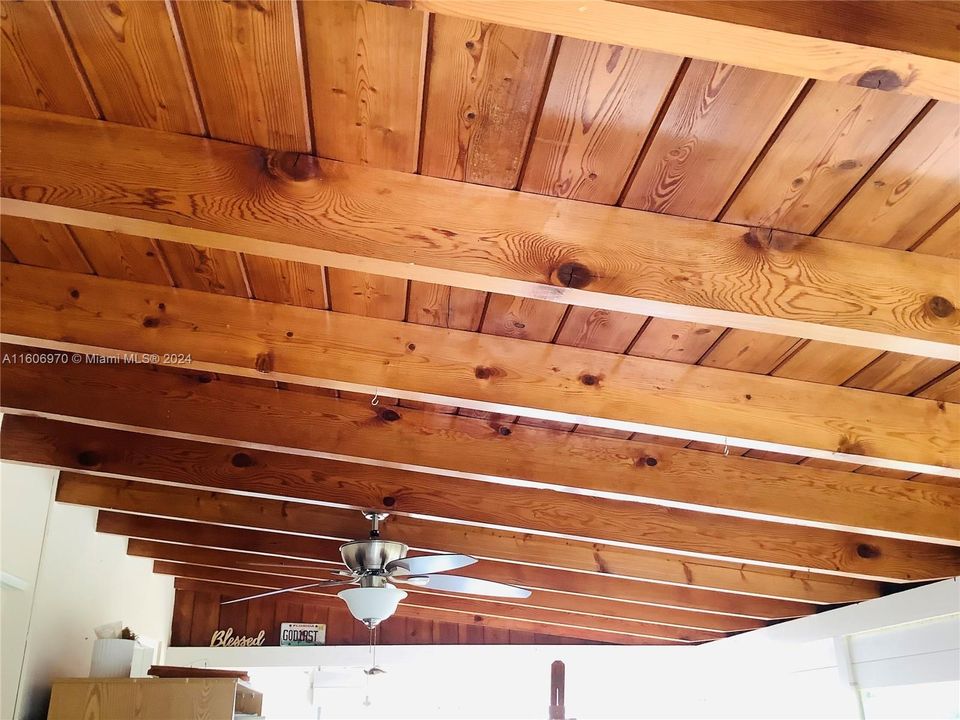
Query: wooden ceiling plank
point(946, 389)
point(322, 426)
point(676, 341)
point(826, 363)
point(291, 550)
point(365, 64)
point(122, 257)
point(208, 270)
point(248, 68)
point(522, 318)
point(542, 598)
point(132, 57)
point(407, 609)
point(944, 240)
point(37, 67)
point(750, 351)
point(718, 122)
point(485, 504)
point(421, 534)
point(279, 342)
point(599, 107)
point(585, 239)
point(899, 374)
point(283, 281)
point(43, 244)
point(483, 89)
point(369, 295)
point(445, 306)
point(599, 329)
point(725, 42)
point(917, 183)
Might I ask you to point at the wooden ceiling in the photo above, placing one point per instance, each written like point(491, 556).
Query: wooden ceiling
point(653, 306)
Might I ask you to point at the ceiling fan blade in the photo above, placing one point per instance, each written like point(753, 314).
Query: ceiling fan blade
point(428, 564)
point(468, 585)
point(325, 583)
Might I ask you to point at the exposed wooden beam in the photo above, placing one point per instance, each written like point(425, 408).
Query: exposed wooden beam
point(300, 570)
point(421, 612)
point(295, 207)
point(73, 312)
point(471, 448)
point(419, 534)
point(293, 550)
point(730, 43)
point(456, 603)
point(497, 505)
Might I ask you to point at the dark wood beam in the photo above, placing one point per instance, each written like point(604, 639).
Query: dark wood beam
point(421, 534)
point(293, 550)
point(603, 469)
point(295, 207)
point(75, 312)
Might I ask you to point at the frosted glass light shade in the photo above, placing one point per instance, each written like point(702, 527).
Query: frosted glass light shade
point(372, 605)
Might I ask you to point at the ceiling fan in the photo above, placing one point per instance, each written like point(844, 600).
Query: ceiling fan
point(378, 565)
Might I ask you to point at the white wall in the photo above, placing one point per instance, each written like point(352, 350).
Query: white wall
point(84, 579)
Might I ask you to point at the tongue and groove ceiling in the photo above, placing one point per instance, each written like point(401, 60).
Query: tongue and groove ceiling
point(671, 340)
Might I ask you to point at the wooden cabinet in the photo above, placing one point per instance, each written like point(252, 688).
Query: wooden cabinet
point(153, 699)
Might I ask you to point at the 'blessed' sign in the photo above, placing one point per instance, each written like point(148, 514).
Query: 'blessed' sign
point(226, 638)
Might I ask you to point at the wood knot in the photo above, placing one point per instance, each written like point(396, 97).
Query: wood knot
point(264, 362)
point(482, 372)
point(647, 461)
point(151, 322)
point(504, 430)
point(204, 378)
point(850, 446)
point(389, 501)
point(760, 238)
point(389, 415)
point(293, 166)
point(242, 460)
point(880, 79)
point(88, 458)
point(868, 551)
point(411, 346)
point(74, 293)
point(574, 275)
point(589, 380)
point(940, 307)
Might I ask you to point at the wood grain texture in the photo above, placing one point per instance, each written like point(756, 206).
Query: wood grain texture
point(143, 698)
point(716, 125)
point(365, 64)
point(543, 598)
point(599, 329)
point(365, 294)
point(946, 388)
point(289, 550)
point(419, 534)
point(826, 363)
point(916, 185)
point(445, 306)
point(708, 39)
point(900, 374)
point(283, 281)
point(122, 257)
point(132, 56)
point(568, 251)
point(826, 147)
point(522, 318)
point(749, 352)
point(483, 89)
point(37, 68)
point(944, 240)
point(44, 244)
point(495, 505)
point(470, 448)
point(344, 630)
point(209, 270)
point(675, 341)
point(246, 59)
point(598, 110)
point(496, 374)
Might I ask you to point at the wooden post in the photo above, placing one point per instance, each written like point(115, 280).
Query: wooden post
point(556, 690)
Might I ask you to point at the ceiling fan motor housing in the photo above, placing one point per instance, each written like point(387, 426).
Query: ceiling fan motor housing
point(370, 557)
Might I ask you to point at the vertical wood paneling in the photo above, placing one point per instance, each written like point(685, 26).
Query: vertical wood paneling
point(360, 293)
point(284, 281)
point(120, 256)
point(598, 110)
point(37, 69)
point(133, 59)
point(248, 67)
point(234, 616)
point(207, 269)
point(445, 306)
point(825, 148)
point(675, 341)
point(599, 329)
point(365, 64)
point(262, 615)
point(916, 185)
point(522, 318)
point(182, 618)
point(206, 618)
point(44, 244)
point(717, 123)
point(483, 90)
